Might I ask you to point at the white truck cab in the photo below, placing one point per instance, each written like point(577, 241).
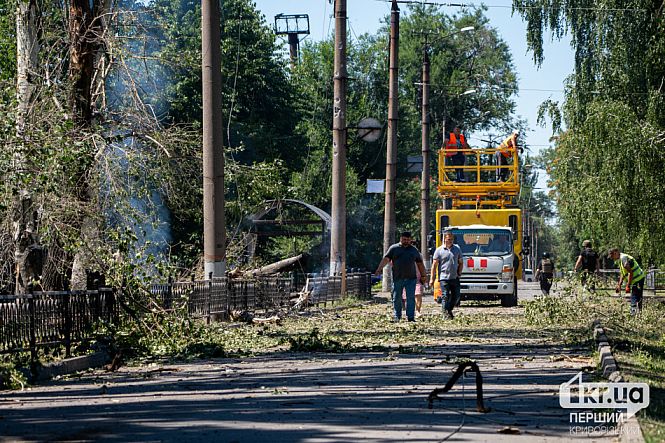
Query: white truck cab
point(489, 261)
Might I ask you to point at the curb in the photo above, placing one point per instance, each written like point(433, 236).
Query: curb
point(630, 428)
point(70, 365)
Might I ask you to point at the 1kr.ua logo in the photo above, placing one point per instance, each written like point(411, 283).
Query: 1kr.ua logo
point(580, 395)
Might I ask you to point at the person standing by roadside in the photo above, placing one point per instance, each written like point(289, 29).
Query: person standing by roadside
point(447, 260)
point(632, 274)
point(405, 258)
point(545, 273)
point(588, 262)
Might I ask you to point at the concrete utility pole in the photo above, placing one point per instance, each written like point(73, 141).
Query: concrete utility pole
point(338, 211)
point(424, 182)
point(534, 244)
point(444, 122)
point(526, 262)
point(214, 223)
point(391, 150)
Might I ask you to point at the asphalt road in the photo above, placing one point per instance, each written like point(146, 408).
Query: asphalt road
point(310, 397)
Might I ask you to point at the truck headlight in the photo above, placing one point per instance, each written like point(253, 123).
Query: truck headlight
point(507, 273)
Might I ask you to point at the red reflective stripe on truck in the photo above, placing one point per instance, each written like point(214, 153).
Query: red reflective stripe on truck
point(469, 263)
point(483, 262)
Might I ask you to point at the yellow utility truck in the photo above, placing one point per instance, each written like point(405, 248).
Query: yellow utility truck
point(482, 213)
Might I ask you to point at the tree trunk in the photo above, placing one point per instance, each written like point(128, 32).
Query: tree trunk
point(28, 253)
point(86, 27)
point(27, 58)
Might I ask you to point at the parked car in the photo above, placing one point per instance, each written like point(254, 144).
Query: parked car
point(527, 275)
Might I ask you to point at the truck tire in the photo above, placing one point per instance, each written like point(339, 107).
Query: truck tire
point(510, 300)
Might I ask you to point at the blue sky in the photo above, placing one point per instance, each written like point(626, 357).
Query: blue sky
point(536, 84)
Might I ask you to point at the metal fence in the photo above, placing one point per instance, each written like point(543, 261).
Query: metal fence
point(39, 319)
point(654, 281)
point(221, 296)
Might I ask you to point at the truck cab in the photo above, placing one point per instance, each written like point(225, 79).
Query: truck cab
point(490, 262)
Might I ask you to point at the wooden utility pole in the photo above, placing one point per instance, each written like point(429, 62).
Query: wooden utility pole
point(424, 183)
point(214, 222)
point(338, 211)
point(391, 150)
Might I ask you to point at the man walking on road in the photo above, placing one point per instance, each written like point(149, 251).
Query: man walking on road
point(589, 262)
point(632, 274)
point(404, 257)
point(447, 260)
point(545, 273)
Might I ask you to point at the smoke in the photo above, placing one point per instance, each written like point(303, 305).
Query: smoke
point(131, 200)
point(131, 187)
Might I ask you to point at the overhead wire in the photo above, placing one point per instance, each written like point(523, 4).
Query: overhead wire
point(483, 5)
point(228, 129)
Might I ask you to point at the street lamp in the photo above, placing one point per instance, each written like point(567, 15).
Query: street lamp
point(425, 122)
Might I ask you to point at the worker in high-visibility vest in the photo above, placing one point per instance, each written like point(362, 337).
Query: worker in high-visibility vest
point(632, 274)
point(454, 144)
point(506, 150)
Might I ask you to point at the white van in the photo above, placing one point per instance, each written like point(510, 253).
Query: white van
point(527, 275)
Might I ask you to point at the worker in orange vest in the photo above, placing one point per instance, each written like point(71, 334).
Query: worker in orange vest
point(505, 151)
point(454, 144)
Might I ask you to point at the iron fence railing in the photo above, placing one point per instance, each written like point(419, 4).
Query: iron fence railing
point(39, 319)
point(221, 296)
point(607, 279)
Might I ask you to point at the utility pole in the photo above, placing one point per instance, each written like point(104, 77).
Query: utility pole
point(338, 211)
point(391, 150)
point(424, 183)
point(534, 244)
point(444, 203)
point(214, 223)
point(526, 258)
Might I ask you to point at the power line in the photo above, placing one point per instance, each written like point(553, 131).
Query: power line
point(477, 6)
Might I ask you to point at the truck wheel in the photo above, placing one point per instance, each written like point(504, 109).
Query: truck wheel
point(510, 300)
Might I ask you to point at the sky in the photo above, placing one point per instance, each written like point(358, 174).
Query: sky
point(536, 84)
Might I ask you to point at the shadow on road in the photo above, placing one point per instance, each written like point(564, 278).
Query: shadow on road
point(302, 397)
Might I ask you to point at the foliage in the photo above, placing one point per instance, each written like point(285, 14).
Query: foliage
point(162, 334)
point(478, 60)
point(256, 93)
point(638, 342)
point(314, 341)
point(11, 378)
point(7, 40)
point(607, 166)
point(611, 188)
point(606, 37)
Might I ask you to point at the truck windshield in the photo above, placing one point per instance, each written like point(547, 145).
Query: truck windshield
point(484, 242)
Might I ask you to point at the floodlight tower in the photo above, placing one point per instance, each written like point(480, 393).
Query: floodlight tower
point(293, 26)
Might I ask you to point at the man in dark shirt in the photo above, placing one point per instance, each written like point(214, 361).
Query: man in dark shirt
point(404, 257)
point(589, 262)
